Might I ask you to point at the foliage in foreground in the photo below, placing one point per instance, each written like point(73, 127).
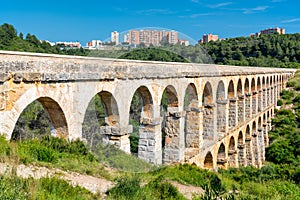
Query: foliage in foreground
point(13, 187)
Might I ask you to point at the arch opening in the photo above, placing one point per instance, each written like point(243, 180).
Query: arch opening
point(43, 116)
point(241, 102)
point(221, 159)
point(247, 99)
point(232, 105)
point(232, 153)
point(254, 97)
point(141, 109)
point(208, 161)
point(170, 126)
point(221, 110)
point(192, 125)
point(101, 114)
point(208, 114)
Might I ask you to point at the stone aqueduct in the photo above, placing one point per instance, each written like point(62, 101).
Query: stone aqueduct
point(217, 116)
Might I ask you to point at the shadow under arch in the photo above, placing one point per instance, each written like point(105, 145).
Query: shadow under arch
point(100, 116)
point(208, 161)
point(231, 153)
point(46, 109)
point(221, 158)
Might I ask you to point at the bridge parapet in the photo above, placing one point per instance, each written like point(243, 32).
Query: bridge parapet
point(32, 67)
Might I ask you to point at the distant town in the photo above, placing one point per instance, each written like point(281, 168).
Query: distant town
point(148, 37)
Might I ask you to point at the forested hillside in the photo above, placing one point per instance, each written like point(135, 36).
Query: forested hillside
point(11, 40)
point(265, 51)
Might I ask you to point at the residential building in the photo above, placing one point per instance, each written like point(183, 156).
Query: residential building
point(151, 37)
point(94, 44)
point(270, 31)
point(115, 37)
point(208, 38)
point(69, 44)
point(184, 42)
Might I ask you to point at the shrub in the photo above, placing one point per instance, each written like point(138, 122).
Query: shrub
point(279, 102)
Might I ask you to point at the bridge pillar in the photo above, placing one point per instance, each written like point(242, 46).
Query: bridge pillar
point(256, 150)
point(117, 136)
point(260, 101)
point(232, 115)
point(193, 132)
point(264, 98)
point(150, 146)
point(249, 150)
point(266, 133)
point(242, 155)
point(248, 102)
point(241, 109)
point(174, 136)
point(254, 103)
point(261, 143)
point(222, 121)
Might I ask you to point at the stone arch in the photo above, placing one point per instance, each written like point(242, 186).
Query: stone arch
point(221, 110)
point(192, 123)
point(221, 158)
point(247, 99)
point(56, 115)
point(254, 97)
point(207, 97)
point(101, 121)
point(259, 96)
point(241, 147)
point(241, 102)
point(208, 161)
point(172, 146)
point(208, 114)
point(232, 105)
point(232, 152)
point(141, 113)
point(268, 92)
point(248, 146)
point(264, 93)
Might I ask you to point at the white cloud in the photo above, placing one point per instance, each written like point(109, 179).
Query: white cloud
point(254, 10)
point(290, 20)
point(219, 5)
point(155, 12)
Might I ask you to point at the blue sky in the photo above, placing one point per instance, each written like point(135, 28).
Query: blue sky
point(84, 20)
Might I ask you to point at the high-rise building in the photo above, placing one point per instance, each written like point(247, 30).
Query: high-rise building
point(134, 37)
point(208, 38)
point(152, 37)
point(114, 37)
point(173, 37)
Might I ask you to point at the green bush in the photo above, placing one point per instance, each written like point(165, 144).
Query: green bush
point(279, 102)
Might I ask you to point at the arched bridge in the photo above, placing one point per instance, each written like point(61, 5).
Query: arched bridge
point(217, 116)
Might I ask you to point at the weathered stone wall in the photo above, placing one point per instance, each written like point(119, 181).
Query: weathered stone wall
point(232, 112)
point(248, 106)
